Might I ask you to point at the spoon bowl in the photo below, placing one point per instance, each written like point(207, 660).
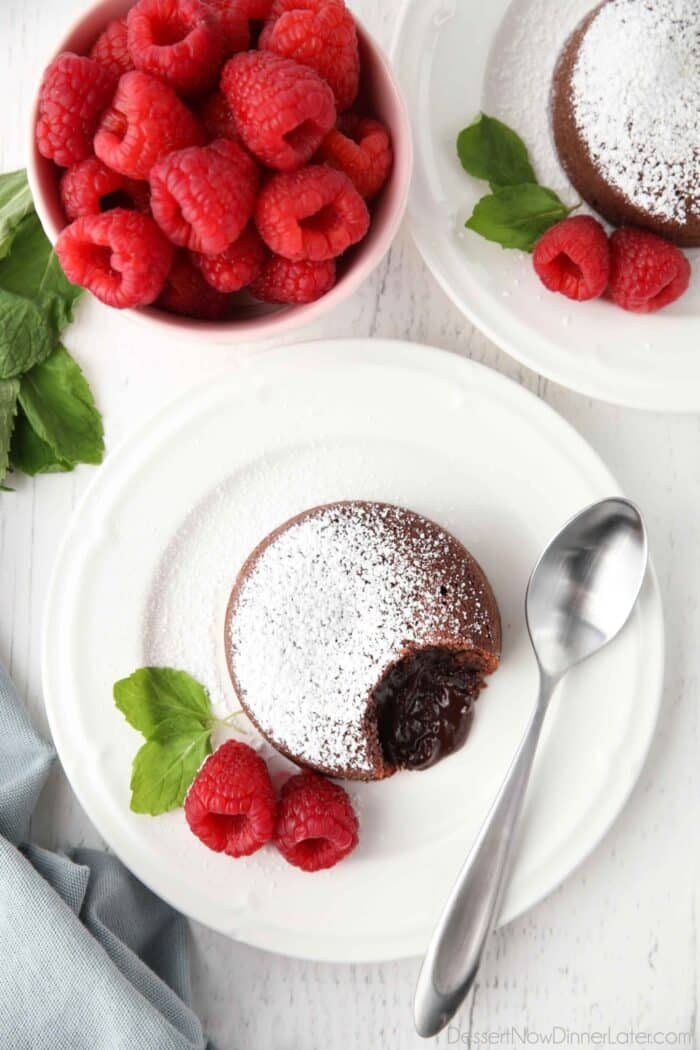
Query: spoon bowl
point(585, 585)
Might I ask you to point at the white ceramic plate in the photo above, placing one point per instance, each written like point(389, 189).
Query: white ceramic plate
point(455, 58)
point(290, 429)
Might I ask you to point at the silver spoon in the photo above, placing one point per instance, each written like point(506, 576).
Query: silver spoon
point(580, 595)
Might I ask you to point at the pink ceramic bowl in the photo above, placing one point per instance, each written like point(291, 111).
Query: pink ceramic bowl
point(257, 321)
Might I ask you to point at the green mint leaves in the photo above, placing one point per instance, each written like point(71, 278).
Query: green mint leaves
point(48, 418)
point(489, 150)
point(9, 392)
point(517, 216)
point(518, 210)
point(36, 300)
point(57, 406)
point(15, 204)
point(174, 713)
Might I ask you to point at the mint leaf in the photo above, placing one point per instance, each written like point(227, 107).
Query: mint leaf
point(60, 408)
point(164, 769)
point(33, 272)
point(517, 216)
point(492, 151)
point(25, 338)
point(15, 204)
point(36, 300)
point(9, 389)
point(160, 700)
point(29, 454)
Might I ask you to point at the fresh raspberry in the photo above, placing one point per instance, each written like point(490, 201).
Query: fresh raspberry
point(231, 805)
point(120, 256)
point(315, 213)
point(282, 110)
point(111, 48)
point(74, 93)
point(236, 267)
point(320, 34)
point(145, 122)
point(179, 41)
point(186, 292)
point(233, 26)
point(217, 118)
point(89, 187)
point(360, 147)
point(573, 258)
point(293, 283)
point(646, 271)
point(203, 197)
point(316, 824)
point(239, 20)
point(253, 10)
point(85, 185)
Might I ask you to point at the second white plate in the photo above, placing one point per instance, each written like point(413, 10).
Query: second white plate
point(147, 566)
point(455, 58)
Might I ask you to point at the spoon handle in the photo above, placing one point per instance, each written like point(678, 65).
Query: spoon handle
point(454, 955)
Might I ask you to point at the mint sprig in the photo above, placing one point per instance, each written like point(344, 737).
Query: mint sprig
point(57, 407)
point(517, 216)
point(173, 712)
point(48, 418)
point(9, 392)
point(15, 203)
point(518, 210)
point(490, 150)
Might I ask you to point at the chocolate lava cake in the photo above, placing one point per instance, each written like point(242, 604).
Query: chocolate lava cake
point(626, 114)
point(358, 636)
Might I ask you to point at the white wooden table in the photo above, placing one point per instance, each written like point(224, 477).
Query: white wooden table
point(616, 947)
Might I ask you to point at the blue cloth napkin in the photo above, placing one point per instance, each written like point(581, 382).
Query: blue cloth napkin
point(89, 958)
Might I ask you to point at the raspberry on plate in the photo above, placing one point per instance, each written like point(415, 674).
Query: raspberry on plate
point(315, 213)
point(203, 197)
point(320, 34)
point(237, 266)
point(231, 805)
point(573, 258)
point(282, 110)
point(293, 283)
point(120, 256)
point(187, 293)
point(111, 48)
point(74, 93)
point(179, 41)
point(145, 122)
point(316, 824)
point(647, 272)
point(217, 118)
point(361, 147)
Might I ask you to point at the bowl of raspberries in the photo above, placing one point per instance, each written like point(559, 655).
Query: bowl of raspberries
point(224, 168)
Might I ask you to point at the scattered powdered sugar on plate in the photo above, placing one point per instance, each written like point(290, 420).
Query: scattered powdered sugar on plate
point(184, 616)
point(326, 607)
point(518, 80)
point(636, 102)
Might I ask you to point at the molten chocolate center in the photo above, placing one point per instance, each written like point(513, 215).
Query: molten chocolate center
point(424, 707)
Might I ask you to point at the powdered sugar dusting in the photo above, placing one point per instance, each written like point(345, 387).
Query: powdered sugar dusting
point(329, 604)
point(636, 102)
point(519, 78)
